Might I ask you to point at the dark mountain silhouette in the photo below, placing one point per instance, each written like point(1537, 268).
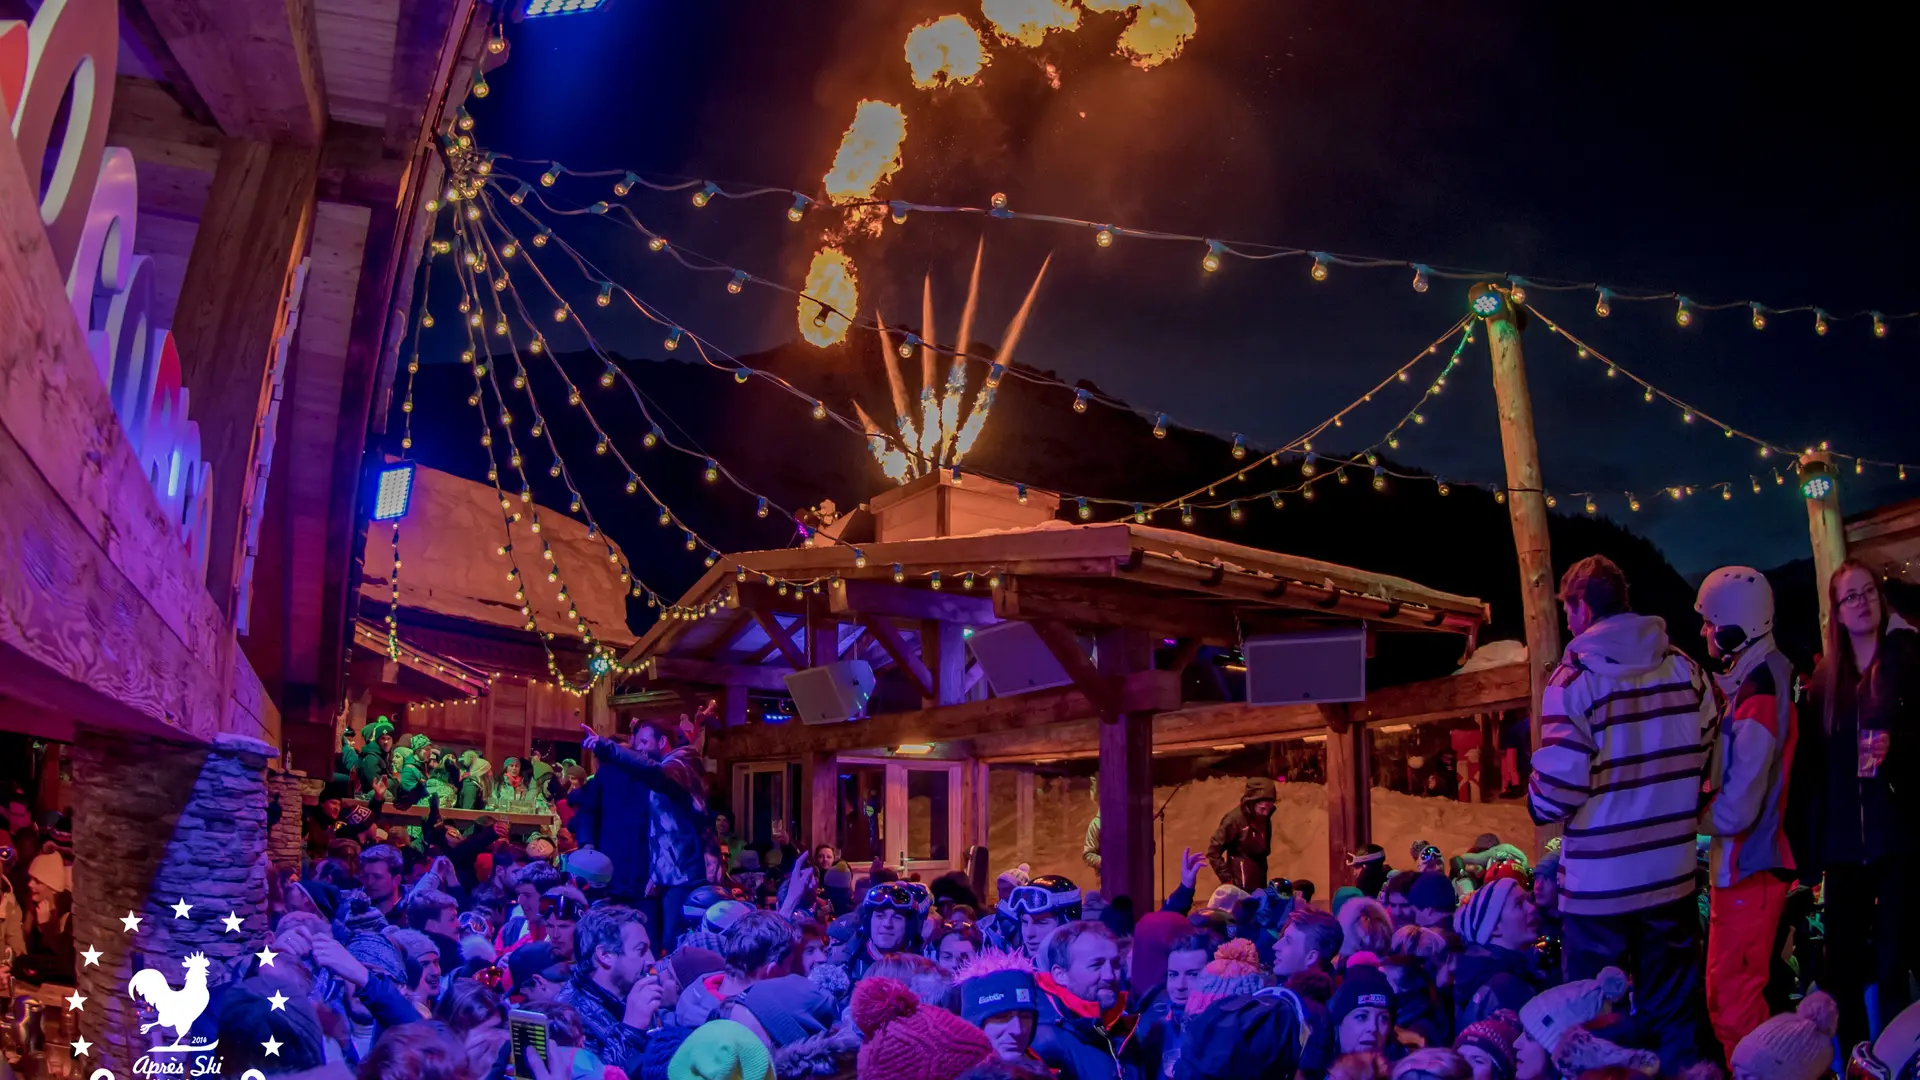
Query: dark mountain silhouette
point(1461, 542)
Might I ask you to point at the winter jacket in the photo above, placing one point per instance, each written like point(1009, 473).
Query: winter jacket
point(1080, 1042)
point(1746, 813)
point(1838, 817)
point(603, 1019)
point(610, 815)
point(1157, 1038)
point(682, 828)
point(1090, 847)
point(1625, 727)
point(1238, 853)
point(372, 766)
point(1487, 978)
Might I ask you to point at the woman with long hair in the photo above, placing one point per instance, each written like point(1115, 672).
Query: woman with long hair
point(1853, 796)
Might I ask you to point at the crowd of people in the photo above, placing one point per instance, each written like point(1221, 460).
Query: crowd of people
point(1697, 806)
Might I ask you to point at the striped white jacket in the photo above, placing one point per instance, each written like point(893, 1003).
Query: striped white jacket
point(1626, 725)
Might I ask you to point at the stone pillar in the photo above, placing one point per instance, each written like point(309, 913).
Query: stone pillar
point(286, 837)
point(156, 822)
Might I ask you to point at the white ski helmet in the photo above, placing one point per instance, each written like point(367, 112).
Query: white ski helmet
point(1736, 597)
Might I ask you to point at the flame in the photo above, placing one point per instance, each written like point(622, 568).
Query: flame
point(1027, 21)
point(1159, 31)
point(869, 152)
point(945, 52)
point(830, 280)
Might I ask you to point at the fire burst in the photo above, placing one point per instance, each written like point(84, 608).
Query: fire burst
point(945, 424)
point(869, 152)
point(945, 52)
point(831, 281)
point(1027, 21)
point(1160, 28)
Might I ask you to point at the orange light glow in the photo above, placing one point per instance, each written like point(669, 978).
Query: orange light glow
point(830, 280)
point(1027, 21)
point(869, 152)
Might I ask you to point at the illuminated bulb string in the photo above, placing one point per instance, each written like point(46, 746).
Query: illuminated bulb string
point(707, 350)
point(406, 442)
point(1106, 234)
point(1691, 414)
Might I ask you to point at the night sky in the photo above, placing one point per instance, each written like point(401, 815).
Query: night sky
point(1727, 155)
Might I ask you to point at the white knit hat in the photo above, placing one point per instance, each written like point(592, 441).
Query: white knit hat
point(1557, 1010)
point(1792, 1046)
point(49, 869)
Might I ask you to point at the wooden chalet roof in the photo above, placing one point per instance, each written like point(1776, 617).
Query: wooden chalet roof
point(1109, 575)
point(1887, 539)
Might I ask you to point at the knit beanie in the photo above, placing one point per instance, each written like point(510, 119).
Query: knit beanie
point(702, 940)
point(689, 964)
point(907, 1042)
point(721, 1050)
point(1557, 1010)
point(376, 953)
point(1495, 1037)
point(325, 898)
point(49, 869)
point(1234, 970)
point(419, 743)
point(1581, 1050)
point(1364, 987)
point(1792, 1046)
point(1226, 898)
point(358, 914)
point(1480, 919)
point(1434, 891)
point(993, 982)
point(1344, 895)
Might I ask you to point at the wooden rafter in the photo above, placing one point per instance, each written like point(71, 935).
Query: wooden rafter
point(889, 639)
point(1066, 649)
point(780, 637)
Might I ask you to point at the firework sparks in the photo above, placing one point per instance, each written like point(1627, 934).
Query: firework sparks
point(830, 280)
point(1027, 21)
point(1159, 30)
point(869, 152)
point(945, 52)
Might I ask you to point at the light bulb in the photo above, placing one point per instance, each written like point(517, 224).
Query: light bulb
point(1879, 324)
point(1603, 307)
point(665, 518)
point(799, 208)
point(760, 507)
point(606, 294)
point(625, 184)
point(1683, 312)
point(537, 346)
point(713, 471)
point(1020, 493)
point(600, 447)
point(651, 437)
point(1160, 426)
point(1082, 509)
point(658, 243)
point(907, 345)
point(1420, 278)
point(1441, 486)
point(480, 87)
point(1379, 478)
point(819, 410)
point(1079, 401)
point(899, 573)
point(520, 195)
point(607, 377)
point(633, 483)
point(540, 238)
point(1820, 322)
point(1104, 237)
point(999, 200)
point(705, 195)
point(1633, 503)
point(547, 178)
point(742, 374)
point(673, 339)
point(1319, 271)
point(1210, 262)
point(1234, 512)
point(898, 211)
point(1518, 290)
point(737, 282)
point(1239, 447)
point(1759, 316)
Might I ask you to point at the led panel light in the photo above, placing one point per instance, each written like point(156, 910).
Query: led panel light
point(393, 493)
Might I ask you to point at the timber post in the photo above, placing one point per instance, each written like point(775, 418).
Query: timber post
point(1526, 495)
point(1126, 779)
point(1827, 530)
point(1349, 791)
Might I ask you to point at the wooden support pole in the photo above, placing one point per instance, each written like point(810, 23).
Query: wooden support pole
point(1492, 757)
point(943, 647)
point(1126, 779)
point(820, 774)
point(1526, 494)
point(823, 635)
point(600, 709)
point(1023, 815)
point(733, 706)
point(1828, 532)
point(1349, 792)
point(255, 231)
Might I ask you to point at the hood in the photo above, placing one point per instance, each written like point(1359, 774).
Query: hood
point(1152, 938)
point(1258, 788)
point(1622, 646)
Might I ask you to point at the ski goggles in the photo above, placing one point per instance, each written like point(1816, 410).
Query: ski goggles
point(472, 922)
point(1863, 1065)
point(922, 896)
point(1035, 900)
point(1355, 858)
point(893, 895)
point(566, 908)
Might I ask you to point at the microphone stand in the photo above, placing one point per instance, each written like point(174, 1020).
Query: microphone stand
point(1160, 863)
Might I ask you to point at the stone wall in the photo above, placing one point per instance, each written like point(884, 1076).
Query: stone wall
point(158, 822)
point(286, 837)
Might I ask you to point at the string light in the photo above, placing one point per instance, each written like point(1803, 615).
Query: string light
point(1104, 237)
point(1420, 276)
point(737, 282)
point(547, 178)
point(799, 208)
point(1759, 316)
point(1820, 322)
point(1319, 270)
point(1211, 261)
point(705, 195)
point(1603, 306)
point(1683, 311)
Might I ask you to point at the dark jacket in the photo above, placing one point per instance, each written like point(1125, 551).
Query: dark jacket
point(681, 826)
point(610, 814)
point(1250, 1037)
point(1157, 1038)
point(603, 1019)
point(1835, 816)
point(1238, 853)
point(1079, 1043)
point(1488, 977)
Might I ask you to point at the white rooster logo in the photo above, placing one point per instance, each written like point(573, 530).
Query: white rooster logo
point(177, 1009)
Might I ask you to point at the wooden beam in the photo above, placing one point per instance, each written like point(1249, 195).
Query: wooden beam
point(1126, 775)
point(733, 705)
point(1023, 813)
point(1349, 793)
point(1184, 655)
point(903, 602)
point(417, 44)
point(943, 647)
point(174, 77)
point(255, 66)
point(175, 154)
point(1150, 691)
point(857, 644)
point(356, 168)
point(1060, 641)
point(231, 306)
point(782, 638)
point(822, 635)
point(767, 678)
point(890, 640)
point(819, 774)
point(1089, 605)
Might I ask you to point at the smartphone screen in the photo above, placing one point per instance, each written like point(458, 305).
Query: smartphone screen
point(528, 1031)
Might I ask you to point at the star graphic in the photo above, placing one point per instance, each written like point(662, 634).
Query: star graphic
point(180, 909)
point(75, 1000)
point(232, 922)
point(91, 956)
point(81, 1047)
point(278, 1000)
point(271, 1046)
point(265, 956)
point(131, 922)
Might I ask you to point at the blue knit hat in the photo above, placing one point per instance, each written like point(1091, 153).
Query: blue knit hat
point(1434, 891)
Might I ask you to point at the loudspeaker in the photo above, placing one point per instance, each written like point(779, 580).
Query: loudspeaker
point(833, 693)
point(1015, 660)
point(1312, 666)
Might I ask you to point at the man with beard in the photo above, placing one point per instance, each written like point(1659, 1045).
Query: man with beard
point(610, 988)
point(1084, 1028)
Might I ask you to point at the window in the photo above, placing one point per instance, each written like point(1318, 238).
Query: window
point(929, 829)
